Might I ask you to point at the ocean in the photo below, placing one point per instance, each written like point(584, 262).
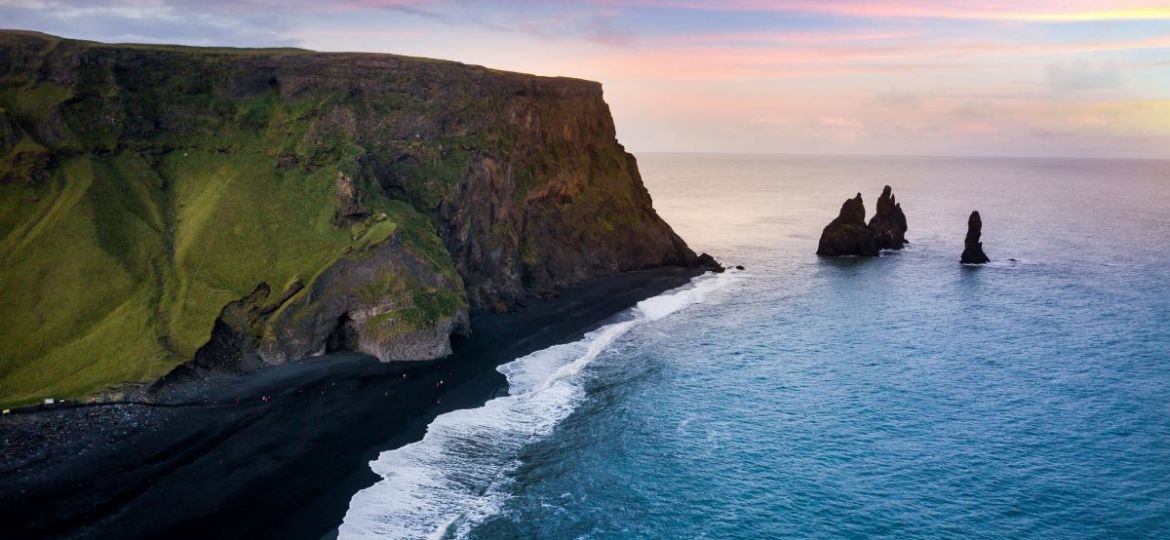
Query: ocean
point(905, 396)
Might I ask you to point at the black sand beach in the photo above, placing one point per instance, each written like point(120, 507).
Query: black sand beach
point(233, 464)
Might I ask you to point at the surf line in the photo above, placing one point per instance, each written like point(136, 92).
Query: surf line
point(460, 472)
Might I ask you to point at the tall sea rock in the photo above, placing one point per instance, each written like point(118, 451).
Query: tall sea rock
point(972, 247)
point(848, 234)
point(889, 223)
point(256, 205)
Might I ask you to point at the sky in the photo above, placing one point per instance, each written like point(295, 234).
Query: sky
point(1073, 78)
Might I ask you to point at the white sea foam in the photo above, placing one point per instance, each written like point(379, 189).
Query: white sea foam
point(459, 473)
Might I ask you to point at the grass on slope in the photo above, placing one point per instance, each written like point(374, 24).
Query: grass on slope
point(114, 268)
point(73, 288)
point(90, 293)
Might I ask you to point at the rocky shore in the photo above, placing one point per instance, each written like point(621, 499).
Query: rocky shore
point(275, 453)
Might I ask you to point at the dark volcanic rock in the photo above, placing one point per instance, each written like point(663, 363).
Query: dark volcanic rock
point(337, 313)
point(888, 225)
point(349, 201)
point(708, 262)
point(973, 248)
point(848, 234)
point(235, 338)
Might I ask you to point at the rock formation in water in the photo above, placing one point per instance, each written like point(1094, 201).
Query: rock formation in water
point(972, 247)
point(889, 223)
point(848, 233)
point(709, 263)
point(246, 207)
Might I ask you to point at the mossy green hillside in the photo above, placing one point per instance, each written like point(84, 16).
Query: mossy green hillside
point(115, 269)
point(143, 188)
point(114, 266)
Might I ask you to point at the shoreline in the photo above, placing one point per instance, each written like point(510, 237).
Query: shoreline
point(232, 464)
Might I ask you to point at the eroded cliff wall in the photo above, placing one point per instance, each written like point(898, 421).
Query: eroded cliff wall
point(294, 201)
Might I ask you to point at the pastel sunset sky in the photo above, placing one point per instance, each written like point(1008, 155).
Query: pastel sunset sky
point(944, 77)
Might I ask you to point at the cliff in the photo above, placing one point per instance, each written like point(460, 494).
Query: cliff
point(244, 207)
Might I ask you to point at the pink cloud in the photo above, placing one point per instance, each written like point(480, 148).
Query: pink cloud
point(718, 60)
point(1022, 10)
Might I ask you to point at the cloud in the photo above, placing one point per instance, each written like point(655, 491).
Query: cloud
point(596, 25)
point(897, 99)
point(1043, 11)
point(772, 121)
point(1081, 75)
point(840, 122)
point(108, 20)
point(840, 128)
point(159, 22)
point(973, 110)
point(839, 75)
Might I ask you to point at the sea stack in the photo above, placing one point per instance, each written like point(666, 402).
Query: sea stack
point(888, 225)
point(973, 248)
point(848, 234)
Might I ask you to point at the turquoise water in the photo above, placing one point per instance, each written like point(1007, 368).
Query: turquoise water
point(900, 397)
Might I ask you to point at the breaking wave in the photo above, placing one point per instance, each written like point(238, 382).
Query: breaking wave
point(460, 472)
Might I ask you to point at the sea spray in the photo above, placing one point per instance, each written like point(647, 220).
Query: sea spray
point(460, 472)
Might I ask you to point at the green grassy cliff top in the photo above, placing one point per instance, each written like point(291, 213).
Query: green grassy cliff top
point(145, 187)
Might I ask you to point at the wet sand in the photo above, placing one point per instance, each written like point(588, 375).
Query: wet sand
point(273, 454)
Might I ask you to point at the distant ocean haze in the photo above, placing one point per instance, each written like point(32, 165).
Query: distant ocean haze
point(905, 396)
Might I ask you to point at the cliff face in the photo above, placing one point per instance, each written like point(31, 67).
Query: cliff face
point(292, 201)
point(544, 196)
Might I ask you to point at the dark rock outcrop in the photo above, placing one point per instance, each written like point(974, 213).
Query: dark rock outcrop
point(709, 263)
point(22, 160)
point(848, 234)
point(234, 344)
point(349, 201)
point(888, 225)
point(972, 247)
point(386, 302)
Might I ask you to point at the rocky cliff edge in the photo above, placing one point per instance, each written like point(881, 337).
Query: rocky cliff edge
point(249, 206)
